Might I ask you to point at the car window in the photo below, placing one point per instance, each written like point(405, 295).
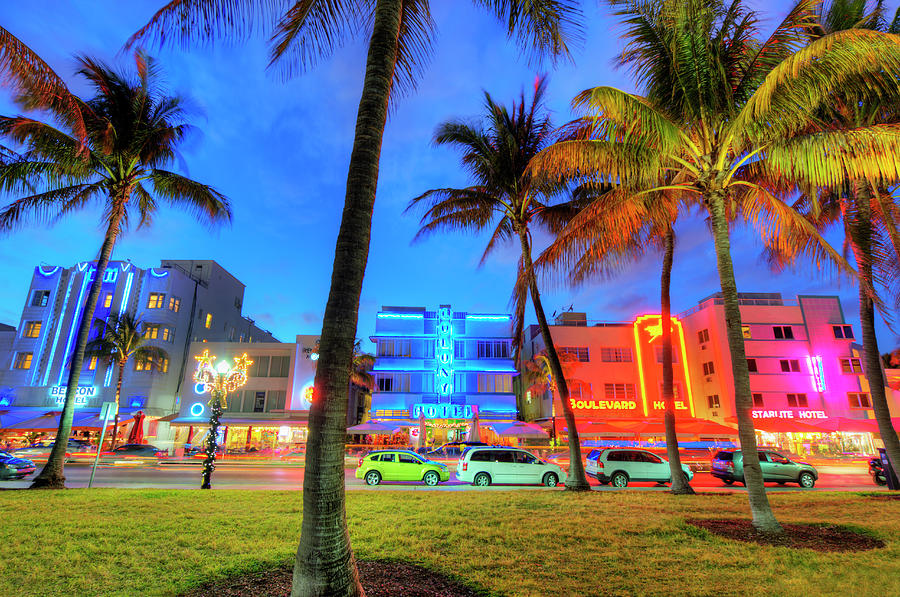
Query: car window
point(525, 458)
point(594, 454)
point(724, 456)
point(763, 457)
point(503, 456)
point(409, 459)
point(614, 457)
point(481, 456)
point(631, 457)
point(647, 457)
point(777, 457)
point(387, 458)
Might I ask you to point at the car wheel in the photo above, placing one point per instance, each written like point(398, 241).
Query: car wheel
point(807, 480)
point(619, 480)
point(728, 481)
point(481, 480)
point(373, 478)
point(431, 478)
point(551, 480)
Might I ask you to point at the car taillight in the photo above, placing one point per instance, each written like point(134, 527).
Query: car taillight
point(465, 466)
point(599, 464)
point(360, 461)
point(730, 465)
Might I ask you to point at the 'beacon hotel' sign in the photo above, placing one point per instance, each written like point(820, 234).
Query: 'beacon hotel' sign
point(82, 394)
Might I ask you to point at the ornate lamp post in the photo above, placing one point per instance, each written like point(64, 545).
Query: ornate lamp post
point(218, 380)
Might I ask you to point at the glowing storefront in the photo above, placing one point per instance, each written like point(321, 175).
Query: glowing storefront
point(444, 366)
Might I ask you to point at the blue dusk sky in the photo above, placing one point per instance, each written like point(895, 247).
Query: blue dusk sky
point(279, 150)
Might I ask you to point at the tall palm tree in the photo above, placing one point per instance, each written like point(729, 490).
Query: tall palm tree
point(719, 99)
point(132, 133)
point(399, 35)
point(537, 379)
point(119, 339)
point(506, 198)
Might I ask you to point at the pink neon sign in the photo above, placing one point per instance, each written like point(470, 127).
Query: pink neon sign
point(817, 370)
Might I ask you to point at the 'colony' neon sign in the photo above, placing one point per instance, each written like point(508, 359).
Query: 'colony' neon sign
point(443, 353)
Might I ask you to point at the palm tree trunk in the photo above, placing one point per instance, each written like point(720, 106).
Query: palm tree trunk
point(51, 476)
point(680, 485)
point(575, 479)
point(112, 443)
point(861, 242)
point(763, 518)
point(325, 564)
point(209, 463)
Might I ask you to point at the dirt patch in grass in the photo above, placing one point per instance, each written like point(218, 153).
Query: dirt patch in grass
point(884, 497)
point(797, 536)
point(379, 579)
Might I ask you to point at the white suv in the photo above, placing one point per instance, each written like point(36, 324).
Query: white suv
point(619, 466)
point(483, 466)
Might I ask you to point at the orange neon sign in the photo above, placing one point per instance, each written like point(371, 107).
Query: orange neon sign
point(654, 331)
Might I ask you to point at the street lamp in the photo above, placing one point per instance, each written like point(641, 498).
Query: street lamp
point(218, 380)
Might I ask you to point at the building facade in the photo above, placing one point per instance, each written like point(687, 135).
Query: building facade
point(180, 302)
point(805, 364)
point(444, 366)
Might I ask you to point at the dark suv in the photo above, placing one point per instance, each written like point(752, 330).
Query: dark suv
point(728, 465)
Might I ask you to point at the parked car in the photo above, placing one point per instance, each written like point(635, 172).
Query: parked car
point(400, 465)
point(136, 450)
point(12, 467)
point(728, 465)
point(620, 466)
point(482, 466)
point(41, 450)
point(453, 448)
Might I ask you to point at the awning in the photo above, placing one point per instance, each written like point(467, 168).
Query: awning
point(12, 416)
point(521, 429)
point(598, 429)
point(83, 419)
point(238, 420)
point(373, 428)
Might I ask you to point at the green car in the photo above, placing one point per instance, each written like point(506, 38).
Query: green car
point(728, 465)
point(400, 465)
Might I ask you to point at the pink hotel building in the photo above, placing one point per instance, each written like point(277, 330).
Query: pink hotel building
point(805, 362)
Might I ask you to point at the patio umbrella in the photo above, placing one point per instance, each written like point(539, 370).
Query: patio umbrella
point(522, 429)
point(474, 432)
point(598, 429)
point(703, 427)
point(372, 427)
point(137, 430)
point(420, 441)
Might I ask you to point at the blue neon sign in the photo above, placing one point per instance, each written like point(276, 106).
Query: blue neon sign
point(441, 411)
point(443, 353)
point(197, 409)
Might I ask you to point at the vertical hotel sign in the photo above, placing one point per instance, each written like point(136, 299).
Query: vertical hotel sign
point(647, 337)
point(443, 352)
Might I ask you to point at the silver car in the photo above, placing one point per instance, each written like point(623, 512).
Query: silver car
point(620, 466)
point(483, 466)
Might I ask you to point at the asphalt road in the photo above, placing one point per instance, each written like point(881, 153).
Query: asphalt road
point(242, 476)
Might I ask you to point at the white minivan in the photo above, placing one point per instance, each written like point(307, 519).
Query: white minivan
point(483, 466)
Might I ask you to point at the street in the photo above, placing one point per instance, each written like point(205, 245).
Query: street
point(249, 476)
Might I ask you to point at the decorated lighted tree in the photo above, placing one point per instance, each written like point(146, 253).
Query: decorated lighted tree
point(218, 380)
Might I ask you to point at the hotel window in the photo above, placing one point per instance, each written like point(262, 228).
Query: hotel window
point(783, 332)
point(851, 366)
point(790, 365)
point(618, 391)
point(92, 364)
point(615, 354)
point(579, 390)
point(745, 331)
point(32, 329)
point(659, 354)
point(141, 365)
point(859, 400)
point(797, 400)
point(493, 349)
point(151, 331)
point(393, 382)
point(676, 391)
point(713, 401)
point(758, 401)
point(260, 366)
point(580, 353)
point(703, 336)
point(107, 300)
point(459, 382)
point(156, 300)
point(39, 298)
point(708, 368)
point(459, 349)
point(276, 400)
point(842, 332)
point(489, 382)
point(394, 348)
point(162, 365)
point(168, 334)
point(428, 349)
point(208, 321)
point(259, 402)
point(751, 366)
point(23, 360)
point(280, 367)
point(174, 304)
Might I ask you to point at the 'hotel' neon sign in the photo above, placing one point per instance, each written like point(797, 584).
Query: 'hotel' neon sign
point(817, 371)
point(443, 353)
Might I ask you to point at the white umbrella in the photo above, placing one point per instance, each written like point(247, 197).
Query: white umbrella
point(474, 432)
point(523, 429)
point(372, 428)
point(420, 441)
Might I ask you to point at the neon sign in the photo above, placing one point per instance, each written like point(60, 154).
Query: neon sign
point(441, 411)
point(82, 394)
point(197, 409)
point(789, 414)
point(817, 371)
point(651, 325)
point(47, 273)
point(443, 353)
point(603, 404)
point(401, 315)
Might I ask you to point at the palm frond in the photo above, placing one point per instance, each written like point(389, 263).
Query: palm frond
point(192, 196)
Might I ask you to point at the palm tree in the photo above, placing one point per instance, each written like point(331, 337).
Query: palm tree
point(120, 339)
point(132, 133)
point(537, 379)
point(736, 101)
point(399, 34)
point(509, 200)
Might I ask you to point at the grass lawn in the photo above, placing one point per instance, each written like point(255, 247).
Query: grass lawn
point(140, 542)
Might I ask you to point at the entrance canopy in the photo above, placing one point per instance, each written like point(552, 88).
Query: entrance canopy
point(522, 430)
point(373, 428)
point(83, 419)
